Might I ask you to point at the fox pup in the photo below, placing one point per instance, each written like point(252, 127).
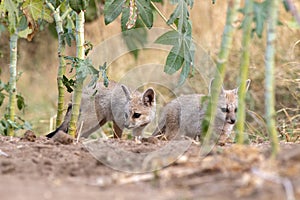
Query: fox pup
point(132, 110)
point(183, 115)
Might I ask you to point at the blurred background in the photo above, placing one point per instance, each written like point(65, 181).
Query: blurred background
point(38, 62)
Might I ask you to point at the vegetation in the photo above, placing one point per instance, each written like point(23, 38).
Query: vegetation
point(244, 68)
point(269, 74)
point(63, 22)
point(222, 59)
point(22, 20)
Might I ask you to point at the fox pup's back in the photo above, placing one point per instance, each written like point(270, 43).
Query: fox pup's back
point(133, 110)
point(184, 115)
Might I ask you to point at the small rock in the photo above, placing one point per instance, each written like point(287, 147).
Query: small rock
point(29, 136)
point(151, 139)
point(63, 138)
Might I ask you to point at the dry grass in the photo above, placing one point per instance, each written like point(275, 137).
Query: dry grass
point(38, 61)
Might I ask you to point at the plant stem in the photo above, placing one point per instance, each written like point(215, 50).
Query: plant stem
point(163, 17)
point(79, 82)
point(269, 74)
point(62, 64)
point(245, 60)
point(12, 80)
point(226, 44)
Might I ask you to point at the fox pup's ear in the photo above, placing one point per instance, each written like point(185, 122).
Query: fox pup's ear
point(210, 88)
point(149, 97)
point(248, 81)
point(127, 92)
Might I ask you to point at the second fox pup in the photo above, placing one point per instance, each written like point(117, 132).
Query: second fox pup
point(132, 110)
point(183, 115)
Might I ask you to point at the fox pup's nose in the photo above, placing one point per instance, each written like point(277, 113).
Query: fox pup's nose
point(232, 121)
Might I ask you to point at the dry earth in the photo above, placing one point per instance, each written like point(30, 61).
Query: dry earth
point(38, 168)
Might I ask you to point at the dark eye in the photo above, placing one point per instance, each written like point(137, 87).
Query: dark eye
point(136, 115)
point(126, 115)
point(225, 110)
point(235, 110)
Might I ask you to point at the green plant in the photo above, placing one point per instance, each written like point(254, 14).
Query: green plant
point(6, 123)
point(22, 19)
point(64, 30)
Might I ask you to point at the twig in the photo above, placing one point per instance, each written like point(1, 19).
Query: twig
point(162, 16)
point(79, 132)
point(51, 126)
point(2, 153)
point(287, 184)
point(66, 13)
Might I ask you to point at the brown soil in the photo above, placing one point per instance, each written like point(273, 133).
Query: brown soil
point(37, 168)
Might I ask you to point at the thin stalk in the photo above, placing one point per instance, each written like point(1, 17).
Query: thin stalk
point(162, 16)
point(226, 44)
point(79, 83)
point(62, 64)
point(269, 74)
point(244, 66)
point(12, 80)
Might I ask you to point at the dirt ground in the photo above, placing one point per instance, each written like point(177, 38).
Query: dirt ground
point(38, 168)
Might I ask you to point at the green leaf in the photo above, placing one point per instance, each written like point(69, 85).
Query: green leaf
point(25, 33)
point(27, 126)
point(103, 69)
point(168, 38)
point(36, 9)
point(145, 12)
point(181, 13)
point(174, 61)
point(174, 1)
point(2, 97)
point(11, 7)
point(184, 72)
point(69, 84)
point(260, 16)
point(112, 9)
point(78, 5)
point(22, 23)
point(182, 53)
point(20, 102)
point(190, 3)
point(286, 5)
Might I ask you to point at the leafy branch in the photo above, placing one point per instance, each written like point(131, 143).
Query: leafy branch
point(183, 50)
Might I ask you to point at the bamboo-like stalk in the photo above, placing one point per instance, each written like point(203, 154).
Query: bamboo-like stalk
point(79, 82)
point(12, 80)
point(269, 74)
point(226, 44)
point(244, 65)
point(62, 64)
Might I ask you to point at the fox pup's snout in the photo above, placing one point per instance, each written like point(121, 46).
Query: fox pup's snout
point(230, 112)
point(139, 109)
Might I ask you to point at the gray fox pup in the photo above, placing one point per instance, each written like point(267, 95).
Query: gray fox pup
point(132, 110)
point(183, 115)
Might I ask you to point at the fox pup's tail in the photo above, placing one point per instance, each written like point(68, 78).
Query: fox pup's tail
point(64, 126)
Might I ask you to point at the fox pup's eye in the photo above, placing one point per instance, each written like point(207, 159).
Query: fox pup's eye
point(225, 110)
point(136, 115)
point(235, 110)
